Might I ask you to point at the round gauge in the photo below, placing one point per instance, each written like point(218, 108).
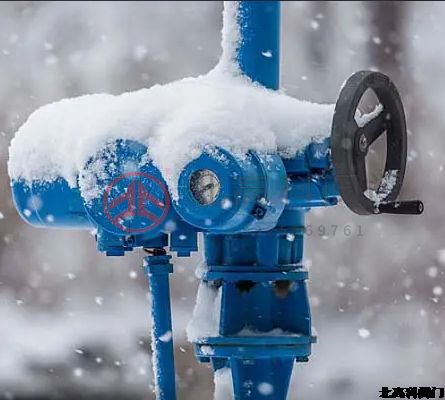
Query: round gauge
point(205, 186)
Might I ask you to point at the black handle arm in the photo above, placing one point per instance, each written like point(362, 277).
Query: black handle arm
point(410, 207)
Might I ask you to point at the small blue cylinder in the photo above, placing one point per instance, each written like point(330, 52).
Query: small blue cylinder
point(50, 204)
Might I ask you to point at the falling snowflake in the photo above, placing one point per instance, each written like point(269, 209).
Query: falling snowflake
point(265, 388)
point(78, 372)
point(432, 272)
point(166, 337)
point(290, 237)
point(437, 291)
point(133, 274)
point(364, 333)
point(99, 300)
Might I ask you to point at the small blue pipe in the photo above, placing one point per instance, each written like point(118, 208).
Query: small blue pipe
point(158, 268)
point(259, 50)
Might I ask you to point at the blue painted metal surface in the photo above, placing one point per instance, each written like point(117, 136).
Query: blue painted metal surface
point(56, 205)
point(50, 205)
point(125, 177)
point(158, 268)
point(241, 204)
point(265, 322)
point(259, 51)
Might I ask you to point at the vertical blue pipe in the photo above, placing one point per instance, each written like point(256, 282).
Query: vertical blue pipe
point(259, 59)
point(259, 49)
point(157, 269)
point(261, 378)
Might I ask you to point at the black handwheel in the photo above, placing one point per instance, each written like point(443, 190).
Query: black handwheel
point(350, 142)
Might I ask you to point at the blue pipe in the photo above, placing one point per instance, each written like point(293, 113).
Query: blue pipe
point(271, 378)
point(259, 49)
point(258, 57)
point(158, 268)
point(263, 368)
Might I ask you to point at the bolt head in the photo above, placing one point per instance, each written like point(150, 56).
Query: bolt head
point(363, 143)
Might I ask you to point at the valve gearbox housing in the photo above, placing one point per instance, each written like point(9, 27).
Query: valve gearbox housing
point(217, 192)
point(222, 193)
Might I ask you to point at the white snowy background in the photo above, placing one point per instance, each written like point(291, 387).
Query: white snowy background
point(75, 324)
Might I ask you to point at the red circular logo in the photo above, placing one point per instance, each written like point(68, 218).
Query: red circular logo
point(136, 202)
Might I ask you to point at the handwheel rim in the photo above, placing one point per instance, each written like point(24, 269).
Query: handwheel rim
point(349, 150)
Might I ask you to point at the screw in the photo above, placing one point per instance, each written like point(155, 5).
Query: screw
point(129, 240)
point(259, 212)
point(363, 143)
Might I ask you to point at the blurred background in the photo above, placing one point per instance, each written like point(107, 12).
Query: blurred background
point(75, 324)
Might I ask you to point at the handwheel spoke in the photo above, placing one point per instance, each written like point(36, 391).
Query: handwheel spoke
point(373, 128)
point(361, 172)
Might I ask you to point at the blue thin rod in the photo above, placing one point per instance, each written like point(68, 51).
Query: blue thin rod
point(158, 269)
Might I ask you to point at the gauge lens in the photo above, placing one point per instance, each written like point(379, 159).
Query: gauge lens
point(205, 186)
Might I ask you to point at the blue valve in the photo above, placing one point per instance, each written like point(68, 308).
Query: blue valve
point(250, 210)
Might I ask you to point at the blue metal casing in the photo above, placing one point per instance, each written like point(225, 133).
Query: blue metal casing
point(50, 205)
point(124, 176)
point(111, 171)
point(251, 198)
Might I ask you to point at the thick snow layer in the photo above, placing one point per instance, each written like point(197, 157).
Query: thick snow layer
point(223, 384)
point(206, 314)
point(176, 121)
